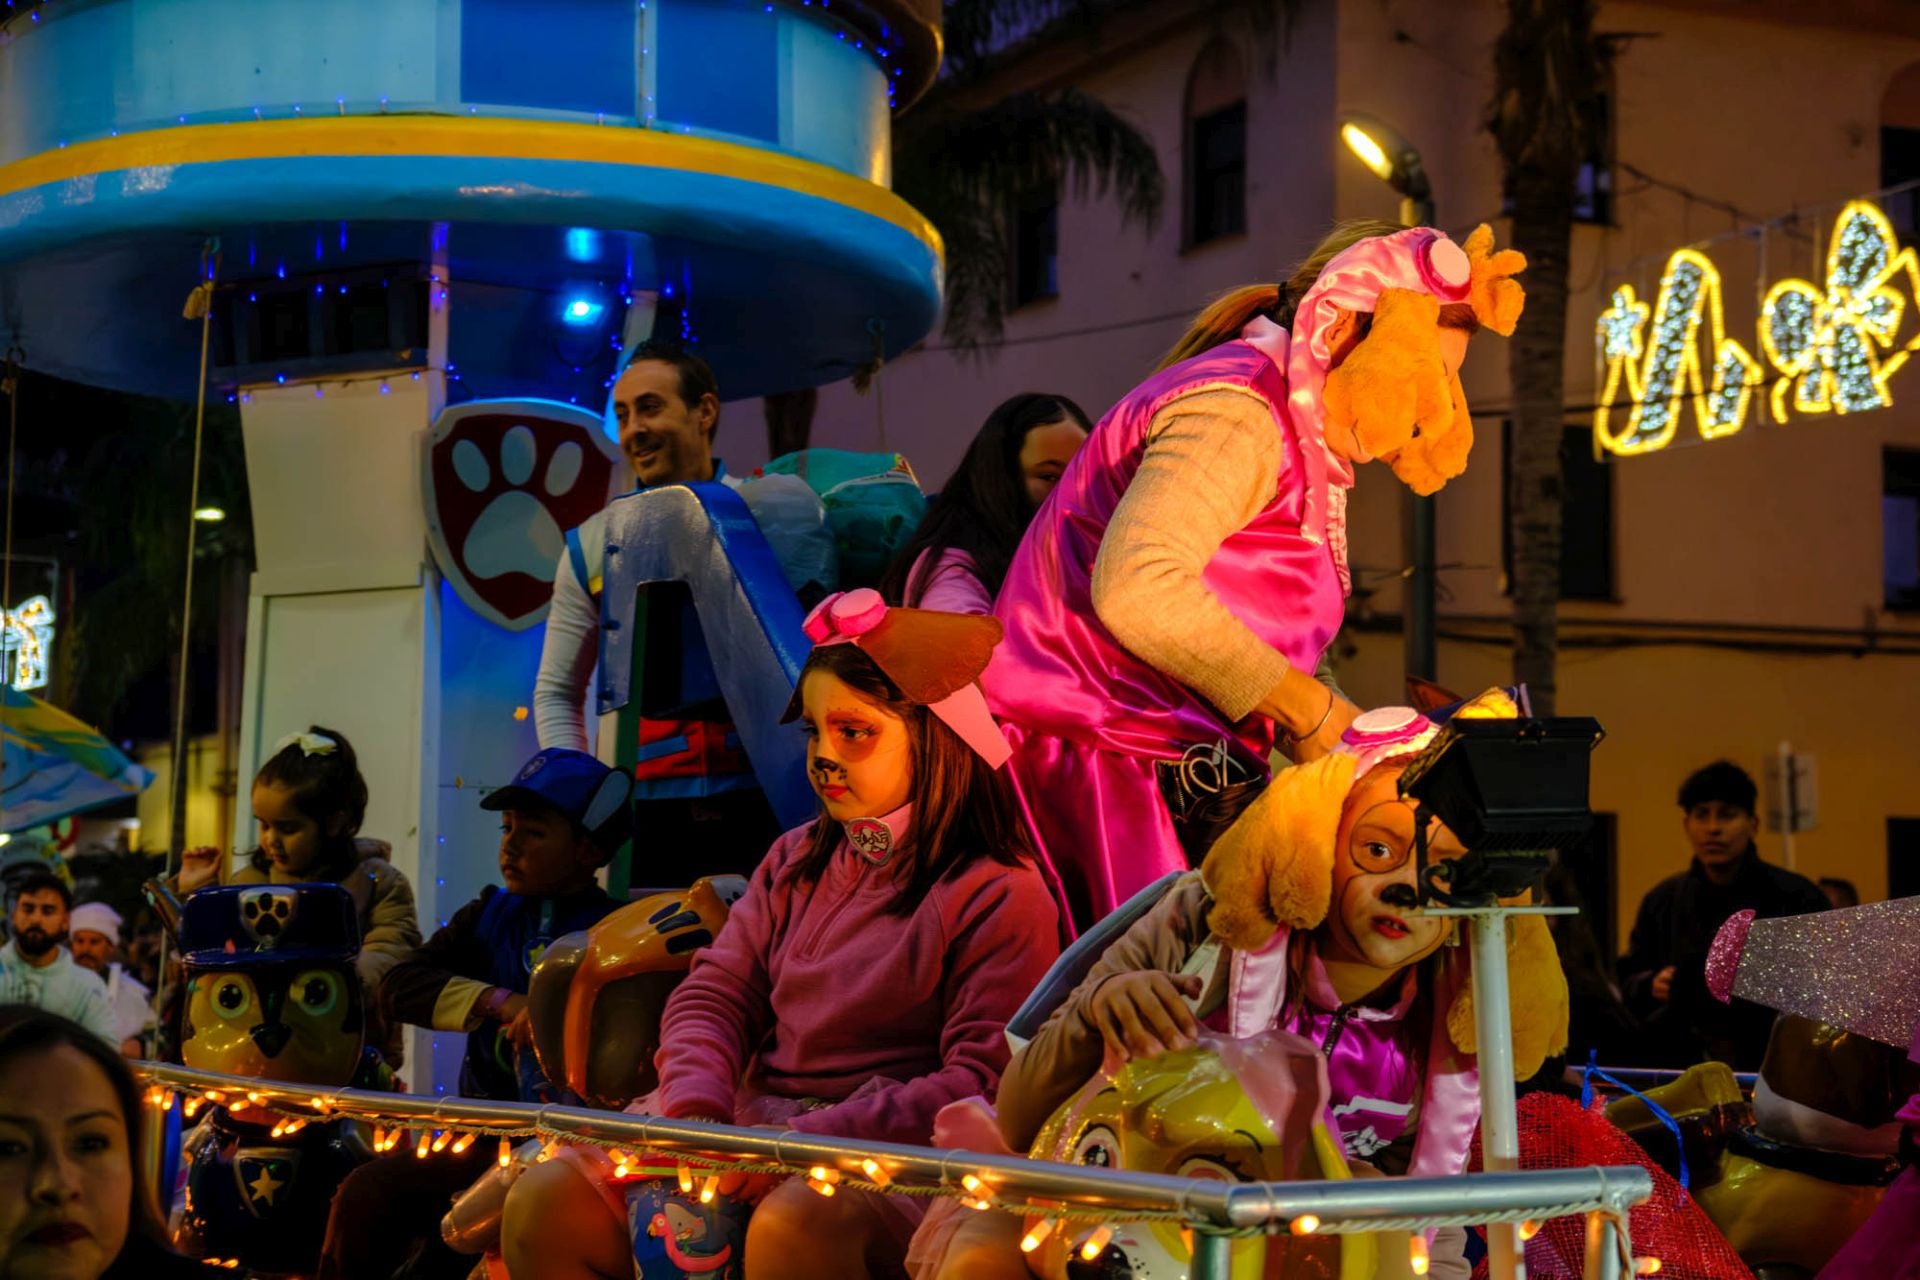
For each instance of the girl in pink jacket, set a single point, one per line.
(866, 978)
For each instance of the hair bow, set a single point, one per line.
(935, 658)
(310, 744)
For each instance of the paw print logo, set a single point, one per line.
(266, 913)
(504, 481)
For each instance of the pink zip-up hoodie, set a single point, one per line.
(866, 1023)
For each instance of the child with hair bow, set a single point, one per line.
(308, 801)
(863, 982)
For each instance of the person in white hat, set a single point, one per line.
(94, 935)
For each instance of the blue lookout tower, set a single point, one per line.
(426, 213)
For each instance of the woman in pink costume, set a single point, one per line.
(1176, 593)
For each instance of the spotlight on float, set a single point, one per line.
(580, 311)
(1394, 161)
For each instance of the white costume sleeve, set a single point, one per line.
(567, 659)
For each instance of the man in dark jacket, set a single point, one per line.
(561, 819)
(1664, 971)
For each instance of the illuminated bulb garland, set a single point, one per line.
(1038, 1234)
(1417, 1258)
(1304, 1225)
(1096, 1243)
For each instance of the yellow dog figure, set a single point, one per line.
(1235, 1110)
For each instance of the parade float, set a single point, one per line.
(420, 236)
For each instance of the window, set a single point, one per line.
(1216, 146)
(1586, 516)
(367, 317)
(1900, 527)
(1034, 227)
(1593, 184)
(1903, 857)
(1900, 150)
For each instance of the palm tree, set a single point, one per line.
(963, 156)
(1549, 68)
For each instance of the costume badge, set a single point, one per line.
(263, 1174)
(872, 839)
(266, 913)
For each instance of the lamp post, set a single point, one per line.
(1395, 162)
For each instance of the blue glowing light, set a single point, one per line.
(583, 244)
(582, 311)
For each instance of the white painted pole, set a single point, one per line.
(1493, 1033)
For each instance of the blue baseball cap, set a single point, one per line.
(576, 784)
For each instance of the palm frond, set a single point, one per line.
(964, 170)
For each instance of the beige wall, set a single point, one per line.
(209, 811)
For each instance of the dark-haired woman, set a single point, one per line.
(309, 800)
(74, 1204)
(866, 978)
(959, 556)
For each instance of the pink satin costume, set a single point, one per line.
(1087, 718)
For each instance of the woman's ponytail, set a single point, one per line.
(1228, 314)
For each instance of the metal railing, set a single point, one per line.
(1216, 1212)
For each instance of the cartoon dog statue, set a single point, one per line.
(595, 1000)
(272, 994)
(1236, 1110)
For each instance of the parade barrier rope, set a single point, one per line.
(1059, 1194)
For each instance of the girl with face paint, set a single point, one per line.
(866, 978)
(1304, 918)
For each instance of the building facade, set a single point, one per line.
(1724, 596)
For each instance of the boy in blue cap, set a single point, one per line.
(561, 819)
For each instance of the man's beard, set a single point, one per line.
(36, 942)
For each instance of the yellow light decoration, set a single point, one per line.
(215, 1096)
(441, 1139)
(1038, 1235)
(1417, 1257)
(1834, 346)
(686, 1180)
(463, 1142)
(1528, 1230)
(1304, 1225)
(1826, 342)
(426, 1144)
(1646, 1265)
(26, 632)
(192, 1105)
(709, 1189)
(1094, 1245)
(506, 1152)
(820, 1186)
(1658, 376)
(876, 1173)
(975, 1185)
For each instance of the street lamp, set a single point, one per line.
(1395, 162)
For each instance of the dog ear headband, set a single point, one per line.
(935, 658)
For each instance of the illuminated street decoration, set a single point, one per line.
(1826, 343)
(1660, 375)
(1832, 348)
(26, 640)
